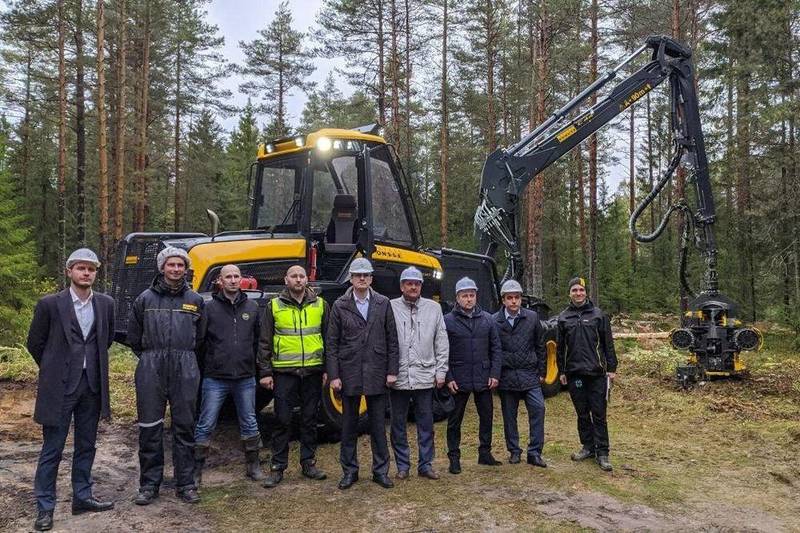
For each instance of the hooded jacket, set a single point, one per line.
(165, 320)
(475, 350)
(229, 337)
(266, 350)
(585, 344)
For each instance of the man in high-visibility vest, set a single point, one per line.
(291, 361)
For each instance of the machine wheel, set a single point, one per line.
(330, 415)
(551, 385)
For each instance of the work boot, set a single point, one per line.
(251, 446)
(514, 458)
(188, 495)
(44, 521)
(488, 460)
(274, 477)
(311, 471)
(455, 464)
(146, 496)
(583, 453)
(605, 465)
(200, 454)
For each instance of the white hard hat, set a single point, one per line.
(510, 286)
(83, 255)
(465, 284)
(411, 274)
(360, 265)
(171, 251)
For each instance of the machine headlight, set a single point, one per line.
(681, 338)
(299, 141)
(270, 148)
(324, 144)
(438, 275)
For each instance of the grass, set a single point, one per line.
(721, 454)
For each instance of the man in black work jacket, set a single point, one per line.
(228, 344)
(587, 363)
(163, 332)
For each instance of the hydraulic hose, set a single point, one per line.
(650, 237)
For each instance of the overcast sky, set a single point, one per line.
(240, 20)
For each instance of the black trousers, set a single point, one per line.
(294, 391)
(84, 406)
(485, 407)
(588, 395)
(348, 452)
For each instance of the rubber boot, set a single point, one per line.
(200, 454)
(251, 446)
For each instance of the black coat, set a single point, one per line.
(362, 352)
(229, 337)
(523, 350)
(585, 344)
(475, 351)
(50, 344)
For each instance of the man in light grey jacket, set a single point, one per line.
(424, 351)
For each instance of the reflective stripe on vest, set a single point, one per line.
(297, 341)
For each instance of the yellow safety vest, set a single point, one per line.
(297, 341)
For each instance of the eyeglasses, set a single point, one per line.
(361, 275)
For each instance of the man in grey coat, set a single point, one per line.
(362, 359)
(423, 364)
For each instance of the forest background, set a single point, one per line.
(110, 122)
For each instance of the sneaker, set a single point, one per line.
(605, 465)
(273, 478)
(580, 455)
(146, 496)
(189, 495)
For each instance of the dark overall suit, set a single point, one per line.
(67, 390)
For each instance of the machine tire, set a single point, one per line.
(330, 416)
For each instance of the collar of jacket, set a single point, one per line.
(309, 297)
(220, 296)
(476, 311)
(583, 307)
(161, 286)
(500, 315)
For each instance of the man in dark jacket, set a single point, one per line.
(587, 363)
(69, 339)
(362, 359)
(291, 361)
(522, 338)
(474, 367)
(229, 340)
(163, 332)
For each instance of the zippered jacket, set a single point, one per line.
(229, 337)
(585, 344)
(424, 347)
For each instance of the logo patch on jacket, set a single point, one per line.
(189, 307)
(245, 316)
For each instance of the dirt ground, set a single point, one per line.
(718, 458)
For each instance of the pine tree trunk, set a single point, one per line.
(26, 127)
(281, 118)
(381, 67)
(680, 173)
(102, 142)
(177, 142)
(394, 74)
(80, 127)
(444, 133)
(593, 284)
(119, 143)
(491, 118)
(407, 83)
(144, 97)
(62, 142)
(650, 163)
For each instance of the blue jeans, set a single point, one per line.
(534, 403)
(214, 393)
(423, 415)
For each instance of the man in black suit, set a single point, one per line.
(69, 339)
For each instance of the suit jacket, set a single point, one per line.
(51, 344)
(362, 352)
